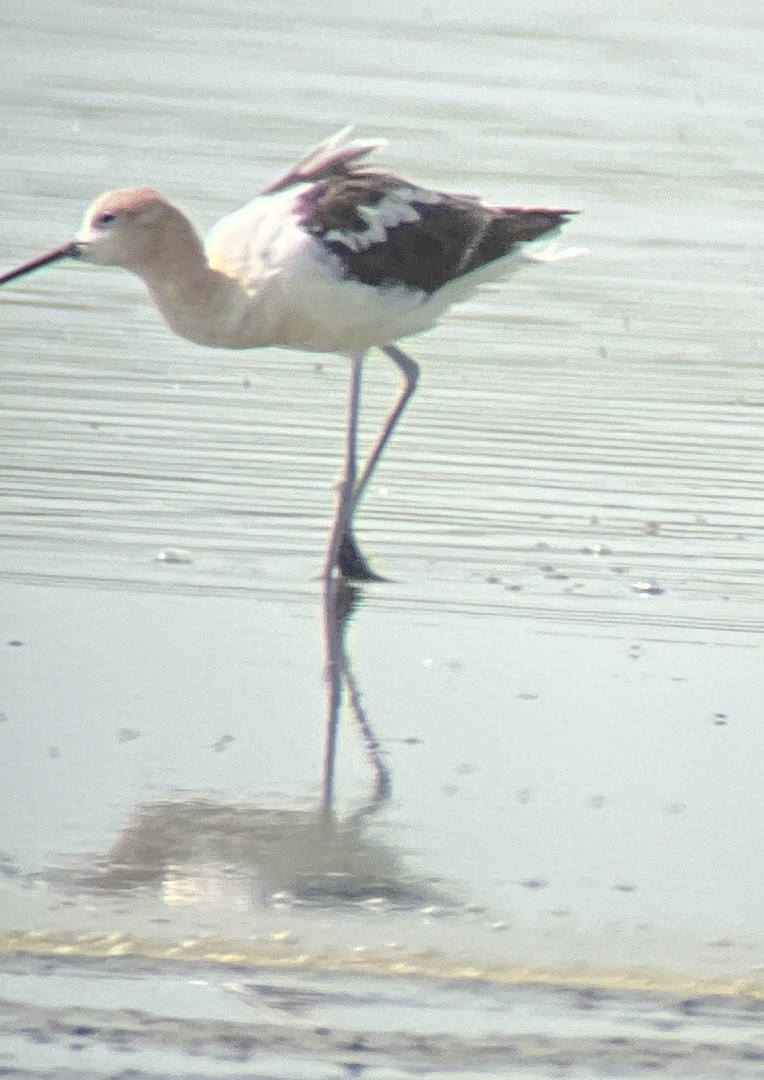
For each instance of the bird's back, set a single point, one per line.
(348, 253)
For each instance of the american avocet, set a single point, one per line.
(333, 257)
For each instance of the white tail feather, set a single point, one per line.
(552, 253)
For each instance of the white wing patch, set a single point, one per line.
(395, 209)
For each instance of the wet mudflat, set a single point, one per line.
(546, 783)
(310, 1026)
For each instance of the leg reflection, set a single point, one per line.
(340, 598)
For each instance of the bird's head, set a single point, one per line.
(131, 229)
(124, 228)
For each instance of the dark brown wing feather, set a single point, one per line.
(323, 161)
(451, 235)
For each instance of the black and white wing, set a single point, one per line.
(387, 231)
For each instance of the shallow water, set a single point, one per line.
(564, 673)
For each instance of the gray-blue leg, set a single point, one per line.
(350, 561)
(348, 482)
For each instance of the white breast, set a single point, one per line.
(299, 295)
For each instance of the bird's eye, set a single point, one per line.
(103, 220)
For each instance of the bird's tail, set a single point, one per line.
(552, 252)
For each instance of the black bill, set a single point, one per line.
(66, 251)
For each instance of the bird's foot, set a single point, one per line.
(352, 564)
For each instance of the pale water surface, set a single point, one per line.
(565, 672)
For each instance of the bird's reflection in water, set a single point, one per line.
(198, 849)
